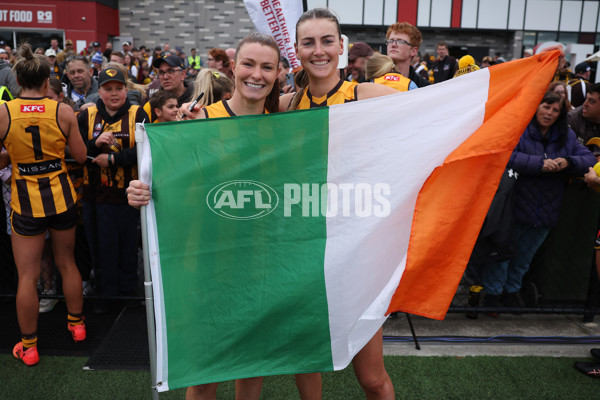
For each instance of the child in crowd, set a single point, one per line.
(111, 225)
(164, 105)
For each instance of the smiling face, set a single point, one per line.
(113, 94)
(318, 48)
(255, 70)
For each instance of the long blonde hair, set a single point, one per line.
(214, 84)
(379, 65)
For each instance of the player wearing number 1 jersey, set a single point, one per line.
(35, 131)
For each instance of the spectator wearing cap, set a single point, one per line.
(126, 46)
(445, 66)
(108, 129)
(580, 85)
(97, 48)
(62, 56)
(358, 55)
(403, 41)
(55, 71)
(171, 75)
(7, 78)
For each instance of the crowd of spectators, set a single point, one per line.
(557, 144)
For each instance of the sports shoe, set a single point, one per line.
(591, 369)
(78, 332)
(29, 356)
(47, 305)
(595, 353)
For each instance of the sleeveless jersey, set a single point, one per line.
(220, 109)
(394, 80)
(36, 145)
(343, 92)
(110, 183)
(149, 110)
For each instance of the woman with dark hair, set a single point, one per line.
(548, 154)
(35, 131)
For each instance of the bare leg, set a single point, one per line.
(309, 386)
(248, 389)
(28, 256)
(47, 269)
(63, 245)
(370, 370)
(202, 392)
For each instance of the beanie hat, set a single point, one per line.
(97, 58)
(466, 64)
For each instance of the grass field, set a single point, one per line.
(414, 378)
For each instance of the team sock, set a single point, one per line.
(29, 341)
(74, 319)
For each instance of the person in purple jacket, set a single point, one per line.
(548, 154)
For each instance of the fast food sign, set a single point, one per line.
(27, 16)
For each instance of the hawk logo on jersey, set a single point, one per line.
(111, 72)
(33, 108)
(392, 78)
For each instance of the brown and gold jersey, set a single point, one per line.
(36, 145)
(394, 80)
(111, 182)
(220, 109)
(343, 92)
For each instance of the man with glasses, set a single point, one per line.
(171, 74)
(81, 85)
(403, 41)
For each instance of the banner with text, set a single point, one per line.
(277, 18)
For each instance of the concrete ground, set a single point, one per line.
(528, 325)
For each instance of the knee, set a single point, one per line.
(378, 385)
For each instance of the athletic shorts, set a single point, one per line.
(32, 226)
(597, 245)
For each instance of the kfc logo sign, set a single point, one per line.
(44, 17)
(392, 78)
(33, 108)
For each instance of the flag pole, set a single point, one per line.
(140, 136)
(304, 5)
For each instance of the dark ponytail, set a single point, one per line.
(32, 70)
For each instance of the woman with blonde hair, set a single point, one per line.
(382, 69)
(215, 85)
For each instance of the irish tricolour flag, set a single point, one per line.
(278, 243)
